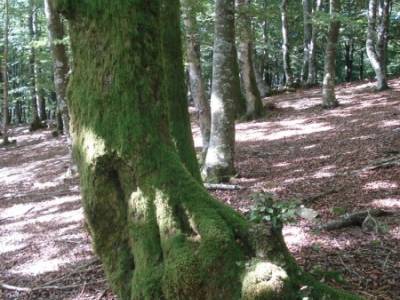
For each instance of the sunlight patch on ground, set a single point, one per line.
(301, 103)
(39, 266)
(327, 171)
(387, 203)
(390, 123)
(381, 185)
(287, 129)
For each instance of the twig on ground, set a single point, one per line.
(222, 186)
(312, 199)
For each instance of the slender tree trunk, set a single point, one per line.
(307, 38)
(197, 86)
(175, 88)
(254, 107)
(372, 51)
(5, 74)
(219, 163)
(349, 58)
(42, 106)
(312, 67)
(328, 89)
(383, 33)
(361, 66)
(285, 44)
(158, 232)
(60, 63)
(36, 123)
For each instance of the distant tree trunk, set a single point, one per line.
(197, 86)
(312, 66)
(60, 63)
(175, 89)
(254, 107)
(42, 106)
(157, 231)
(219, 163)
(349, 58)
(5, 74)
(307, 38)
(372, 49)
(36, 123)
(18, 112)
(328, 89)
(285, 44)
(361, 66)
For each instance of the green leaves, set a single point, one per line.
(268, 208)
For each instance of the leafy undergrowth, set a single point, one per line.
(300, 151)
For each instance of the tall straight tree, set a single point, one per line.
(158, 232)
(285, 43)
(33, 67)
(219, 162)
(328, 88)
(307, 37)
(5, 73)
(376, 42)
(60, 62)
(197, 86)
(312, 64)
(254, 107)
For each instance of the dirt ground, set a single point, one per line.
(326, 158)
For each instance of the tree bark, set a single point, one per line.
(328, 89)
(254, 107)
(349, 59)
(33, 68)
(175, 88)
(5, 74)
(197, 86)
(60, 63)
(219, 162)
(371, 47)
(312, 66)
(285, 44)
(383, 33)
(159, 234)
(307, 38)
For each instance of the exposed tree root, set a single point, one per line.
(221, 186)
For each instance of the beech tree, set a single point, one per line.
(312, 48)
(376, 42)
(158, 232)
(225, 96)
(307, 36)
(328, 88)
(254, 107)
(60, 63)
(285, 44)
(197, 86)
(5, 75)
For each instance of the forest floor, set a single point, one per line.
(329, 159)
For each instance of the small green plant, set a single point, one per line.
(268, 208)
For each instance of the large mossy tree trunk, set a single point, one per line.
(60, 63)
(254, 107)
(328, 88)
(225, 96)
(175, 88)
(158, 232)
(285, 44)
(197, 85)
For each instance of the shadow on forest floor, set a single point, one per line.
(299, 151)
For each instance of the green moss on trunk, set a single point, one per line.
(158, 232)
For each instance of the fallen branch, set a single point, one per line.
(354, 219)
(221, 186)
(381, 163)
(47, 287)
